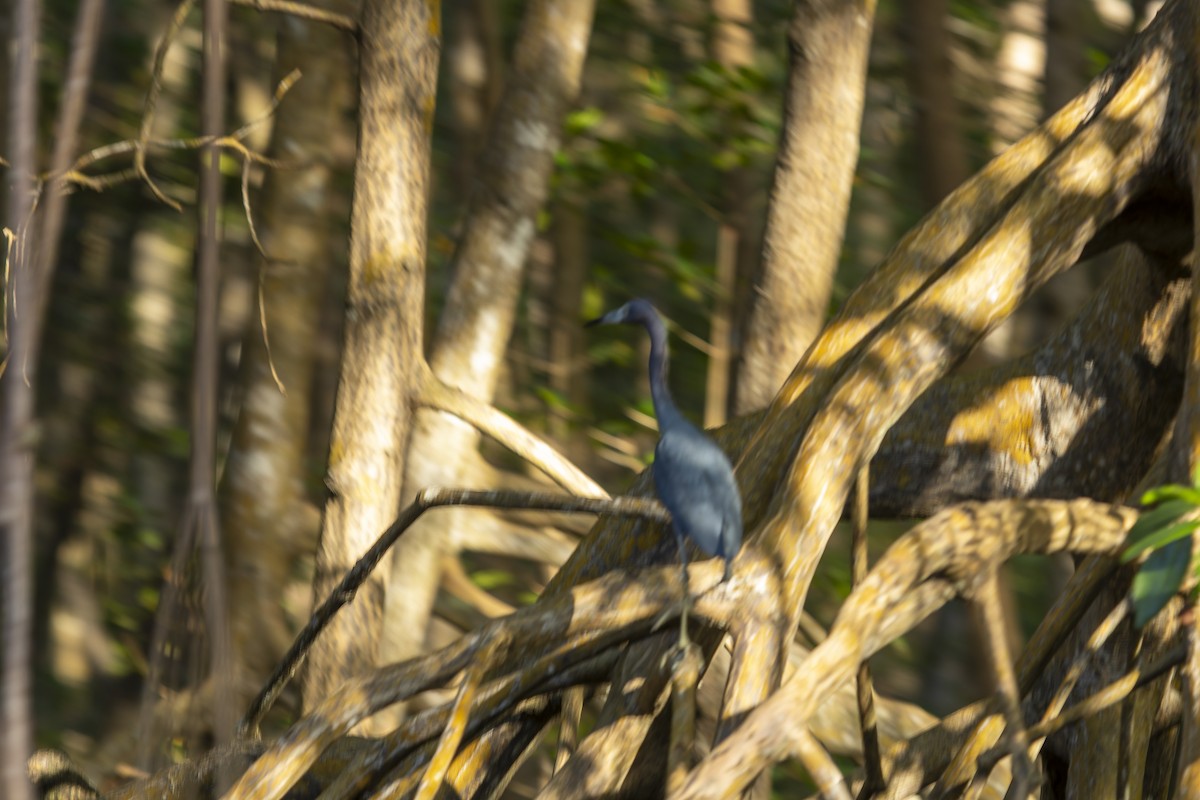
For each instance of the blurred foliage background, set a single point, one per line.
(661, 133)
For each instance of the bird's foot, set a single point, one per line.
(683, 608)
(684, 641)
(685, 664)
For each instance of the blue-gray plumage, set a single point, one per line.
(692, 476)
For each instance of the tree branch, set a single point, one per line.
(344, 592)
(958, 546)
(508, 432)
(304, 11)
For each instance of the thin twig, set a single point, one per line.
(262, 274)
(1099, 700)
(874, 779)
(831, 783)
(139, 148)
(1015, 735)
(456, 725)
(152, 94)
(568, 727)
(1083, 658)
(10, 239)
(84, 41)
(1082, 588)
(303, 11)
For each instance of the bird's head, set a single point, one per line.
(635, 312)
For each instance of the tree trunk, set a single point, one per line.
(17, 435)
(1109, 168)
(488, 267)
(940, 152)
(382, 359)
(810, 194)
(474, 78)
(567, 350)
(733, 49)
(264, 498)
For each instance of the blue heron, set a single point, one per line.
(692, 476)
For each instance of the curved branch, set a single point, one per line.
(958, 545)
(569, 629)
(1103, 390)
(508, 432)
(344, 592)
(919, 761)
(500, 696)
(151, 104)
(1086, 183)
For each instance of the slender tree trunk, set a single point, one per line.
(264, 499)
(52, 219)
(474, 78)
(385, 308)
(17, 435)
(197, 571)
(873, 224)
(567, 349)
(477, 321)
(733, 48)
(940, 151)
(201, 502)
(1019, 65)
(1066, 54)
(814, 170)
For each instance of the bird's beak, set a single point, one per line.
(611, 318)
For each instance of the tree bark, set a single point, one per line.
(264, 497)
(940, 151)
(828, 41)
(733, 49)
(17, 434)
(474, 77)
(1066, 53)
(1111, 166)
(385, 308)
(488, 267)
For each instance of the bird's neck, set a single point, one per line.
(664, 407)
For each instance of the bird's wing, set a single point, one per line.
(695, 482)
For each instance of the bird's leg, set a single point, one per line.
(687, 595)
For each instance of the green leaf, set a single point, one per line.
(1150, 523)
(583, 120)
(727, 159)
(1172, 491)
(1158, 579)
(147, 597)
(492, 578)
(1161, 537)
(553, 400)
